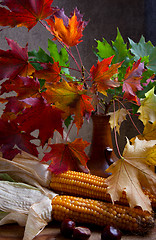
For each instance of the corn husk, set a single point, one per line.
(27, 168)
(25, 197)
(27, 205)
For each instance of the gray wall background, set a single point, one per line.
(132, 17)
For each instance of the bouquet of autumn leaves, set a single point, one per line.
(49, 97)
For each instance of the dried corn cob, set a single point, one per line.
(87, 185)
(101, 213)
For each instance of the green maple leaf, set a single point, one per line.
(61, 57)
(146, 51)
(118, 49)
(40, 56)
(121, 51)
(105, 50)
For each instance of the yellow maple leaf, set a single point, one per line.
(148, 134)
(117, 118)
(131, 173)
(147, 109)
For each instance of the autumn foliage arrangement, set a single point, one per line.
(48, 97)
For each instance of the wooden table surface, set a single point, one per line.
(52, 232)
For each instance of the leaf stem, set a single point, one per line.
(129, 116)
(116, 141)
(63, 45)
(69, 131)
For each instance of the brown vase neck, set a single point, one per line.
(101, 150)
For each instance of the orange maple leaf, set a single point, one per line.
(68, 33)
(70, 98)
(102, 74)
(64, 156)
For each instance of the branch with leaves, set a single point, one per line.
(48, 96)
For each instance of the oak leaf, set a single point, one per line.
(147, 109)
(14, 62)
(131, 82)
(67, 30)
(24, 12)
(63, 156)
(116, 118)
(132, 172)
(103, 73)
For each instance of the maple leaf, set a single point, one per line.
(12, 140)
(12, 109)
(67, 30)
(14, 62)
(147, 109)
(23, 86)
(50, 72)
(131, 82)
(116, 118)
(24, 12)
(132, 173)
(102, 74)
(70, 98)
(64, 156)
(149, 132)
(41, 116)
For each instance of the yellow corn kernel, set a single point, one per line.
(101, 213)
(87, 185)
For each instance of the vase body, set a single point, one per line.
(101, 153)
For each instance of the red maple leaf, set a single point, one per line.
(42, 116)
(14, 62)
(64, 156)
(12, 140)
(131, 82)
(67, 30)
(103, 73)
(12, 109)
(50, 72)
(24, 87)
(24, 12)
